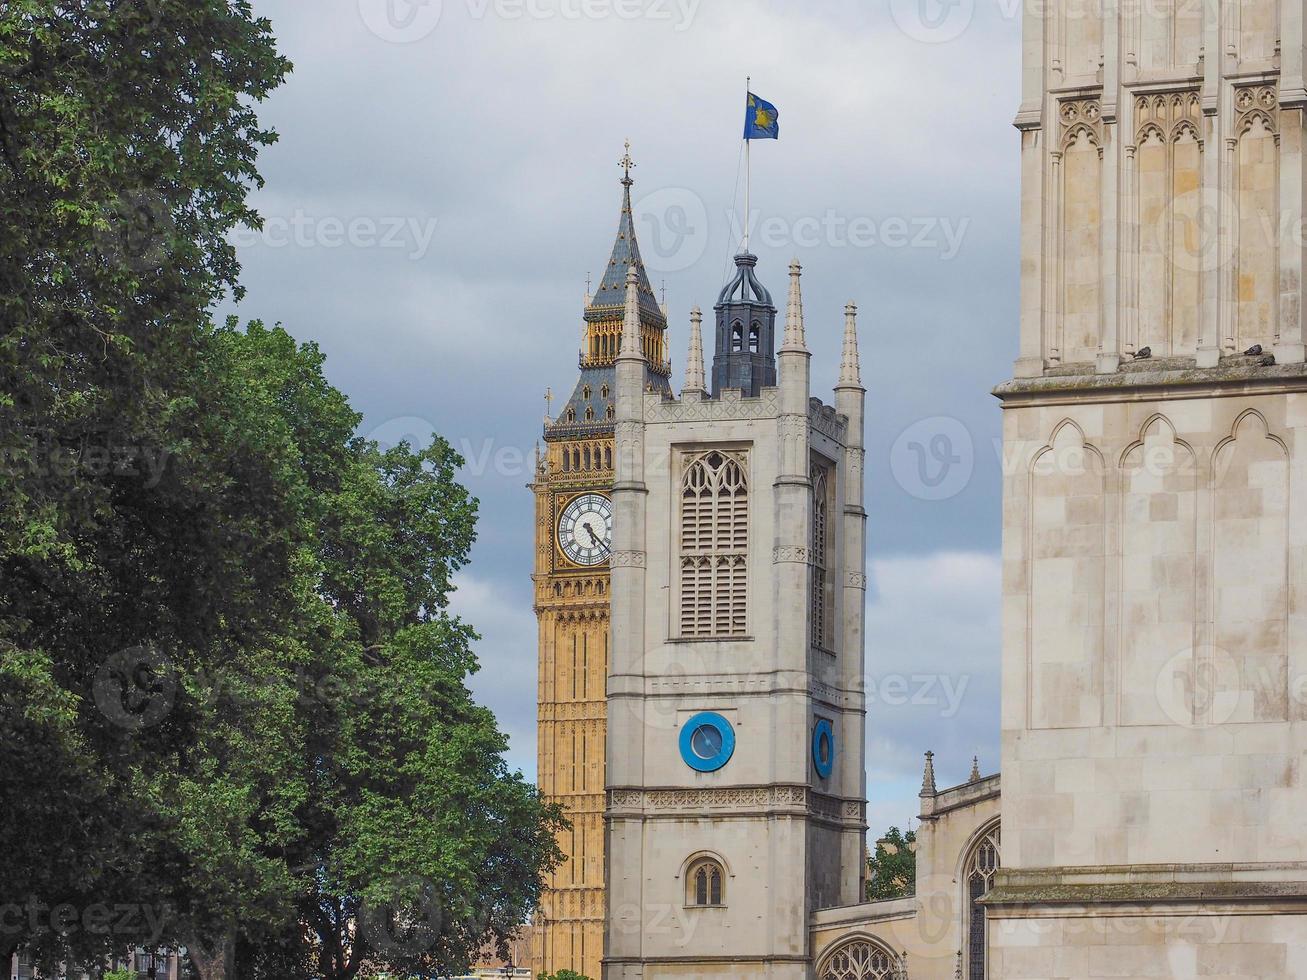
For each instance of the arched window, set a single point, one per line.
(755, 331)
(705, 884)
(862, 959)
(737, 336)
(586, 455)
(714, 545)
(977, 879)
(820, 612)
(608, 452)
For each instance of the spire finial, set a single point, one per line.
(694, 376)
(549, 405)
(794, 339)
(975, 769)
(631, 318)
(626, 163)
(928, 777)
(850, 367)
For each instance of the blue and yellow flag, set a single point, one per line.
(761, 120)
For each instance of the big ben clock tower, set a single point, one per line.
(573, 480)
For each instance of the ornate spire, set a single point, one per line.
(627, 164)
(794, 339)
(975, 769)
(626, 253)
(850, 367)
(928, 777)
(694, 378)
(631, 319)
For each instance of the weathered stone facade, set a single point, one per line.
(1154, 518)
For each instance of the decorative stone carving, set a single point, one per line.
(729, 406)
(1256, 102)
(1081, 117)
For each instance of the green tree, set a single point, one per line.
(893, 866)
(127, 141)
(196, 551)
(419, 845)
(562, 975)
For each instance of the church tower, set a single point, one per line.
(1155, 500)
(573, 483)
(736, 790)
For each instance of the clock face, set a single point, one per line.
(585, 531)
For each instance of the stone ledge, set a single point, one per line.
(1136, 379)
(1133, 884)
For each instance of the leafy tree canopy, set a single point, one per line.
(893, 866)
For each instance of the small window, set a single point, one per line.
(603, 391)
(755, 331)
(705, 884)
(737, 336)
(585, 392)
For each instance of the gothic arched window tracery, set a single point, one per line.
(977, 880)
(705, 884)
(862, 959)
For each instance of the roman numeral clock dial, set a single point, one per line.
(585, 531)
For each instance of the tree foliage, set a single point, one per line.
(231, 694)
(893, 866)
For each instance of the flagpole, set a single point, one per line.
(748, 169)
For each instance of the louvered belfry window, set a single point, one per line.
(714, 545)
(820, 612)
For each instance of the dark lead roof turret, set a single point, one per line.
(746, 333)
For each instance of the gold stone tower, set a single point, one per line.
(573, 479)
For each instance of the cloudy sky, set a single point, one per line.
(447, 177)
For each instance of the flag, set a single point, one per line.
(761, 120)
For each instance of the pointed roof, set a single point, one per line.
(611, 294)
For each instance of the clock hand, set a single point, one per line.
(595, 538)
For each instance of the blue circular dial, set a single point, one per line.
(707, 742)
(823, 747)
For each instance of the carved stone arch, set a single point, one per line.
(1250, 593)
(1255, 115)
(1065, 554)
(1070, 428)
(1074, 132)
(1186, 127)
(1149, 129)
(1249, 416)
(1158, 573)
(1154, 420)
(861, 956)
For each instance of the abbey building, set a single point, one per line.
(709, 550)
